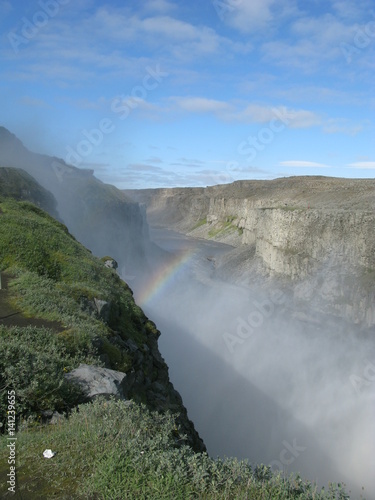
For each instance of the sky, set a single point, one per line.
(162, 93)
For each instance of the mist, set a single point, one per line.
(258, 382)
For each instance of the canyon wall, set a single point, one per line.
(313, 234)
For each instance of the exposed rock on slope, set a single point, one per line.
(315, 232)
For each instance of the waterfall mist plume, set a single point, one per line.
(260, 383)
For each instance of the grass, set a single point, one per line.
(200, 223)
(106, 449)
(223, 227)
(121, 450)
(18, 184)
(56, 279)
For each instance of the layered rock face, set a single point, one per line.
(313, 233)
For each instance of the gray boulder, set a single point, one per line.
(111, 264)
(97, 381)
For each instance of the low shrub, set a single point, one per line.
(120, 450)
(33, 362)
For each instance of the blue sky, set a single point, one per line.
(161, 93)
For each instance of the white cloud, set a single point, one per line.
(85, 103)
(200, 104)
(303, 164)
(240, 112)
(177, 37)
(363, 164)
(294, 118)
(139, 167)
(319, 94)
(325, 30)
(347, 9)
(167, 27)
(245, 15)
(101, 45)
(314, 41)
(154, 159)
(303, 54)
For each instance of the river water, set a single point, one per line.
(258, 384)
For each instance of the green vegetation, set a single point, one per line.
(57, 279)
(120, 450)
(106, 449)
(34, 361)
(18, 184)
(223, 227)
(200, 223)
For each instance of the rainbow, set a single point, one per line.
(165, 276)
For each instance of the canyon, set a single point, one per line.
(311, 235)
(271, 294)
(263, 294)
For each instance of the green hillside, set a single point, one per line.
(54, 278)
(106, 449)
(18, 184)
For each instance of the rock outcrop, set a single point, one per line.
(97, 381)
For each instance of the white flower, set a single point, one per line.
(48, 454)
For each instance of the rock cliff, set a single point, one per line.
(314, 234)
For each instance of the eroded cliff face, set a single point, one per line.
(314, 234)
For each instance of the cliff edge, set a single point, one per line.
(313, 234)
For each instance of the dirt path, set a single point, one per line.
(9, 316)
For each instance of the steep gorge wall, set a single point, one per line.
(315, 234)
(294, 241)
